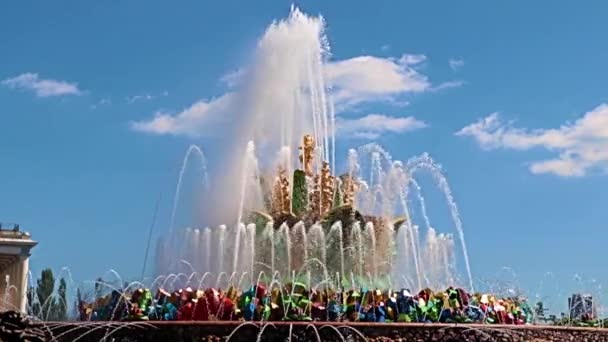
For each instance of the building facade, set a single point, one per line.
(15, 247)
(581, 307)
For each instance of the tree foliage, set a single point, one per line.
(45, 303)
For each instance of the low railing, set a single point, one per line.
(9, 226)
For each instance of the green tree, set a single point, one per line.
(77, 304)
(98, 288)
(47, 305)
(45, 286)
(61, 306)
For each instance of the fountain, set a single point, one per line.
(341, 231)
(295, 218)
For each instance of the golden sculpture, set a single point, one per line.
(308, 152)
(349, 187)
(327, 188)
(322, 196)
(281, 199)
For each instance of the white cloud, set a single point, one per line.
(367, 78)
(448, 85)
(102, 102)
(233, 78)
(580, 146)
(135, 98)
(374, 125)
(197, 120)
(456, 64)
(144, 97)
(42, 87)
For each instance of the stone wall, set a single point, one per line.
(300, 331)
(16, 327)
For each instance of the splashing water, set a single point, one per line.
(426, 162)
(284, 96)
(193, 149)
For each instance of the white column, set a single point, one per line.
(22, 286)
(10, 290)
(5, 301)
(12, 280)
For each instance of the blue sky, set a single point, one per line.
(527, 180)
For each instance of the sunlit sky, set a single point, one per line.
(509, 97)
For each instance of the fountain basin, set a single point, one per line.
(301, 331)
